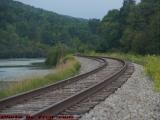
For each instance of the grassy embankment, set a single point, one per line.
(68, 67)
(151, 64)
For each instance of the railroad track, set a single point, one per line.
(74, 96)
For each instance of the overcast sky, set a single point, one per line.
(77, 8)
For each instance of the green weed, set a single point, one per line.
(151, 64)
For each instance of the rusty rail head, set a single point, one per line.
(19, 98)
(59, 107)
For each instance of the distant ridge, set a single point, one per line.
(26, 31)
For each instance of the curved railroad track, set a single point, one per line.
(74, 96)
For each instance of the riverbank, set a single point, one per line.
(67, 68)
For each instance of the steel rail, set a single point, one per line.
(58, 107)
(20, 98)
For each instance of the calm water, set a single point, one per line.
(19, 69)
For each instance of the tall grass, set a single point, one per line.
(151, 64)
(152, 67)
(68, 67)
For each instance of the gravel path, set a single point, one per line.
(136, 100)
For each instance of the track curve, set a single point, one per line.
(56, 98)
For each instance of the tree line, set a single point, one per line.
(134, 28)
(26, 31)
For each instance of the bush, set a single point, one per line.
(55, 54)
(152, 67)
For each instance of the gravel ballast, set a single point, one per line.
(135, 100)
(87, 64)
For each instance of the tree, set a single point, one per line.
(128, 2)
(135, 28)
(27, 28)
(93, 25)
(110, 30)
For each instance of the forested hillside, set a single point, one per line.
(26, 31)
(134, 28)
